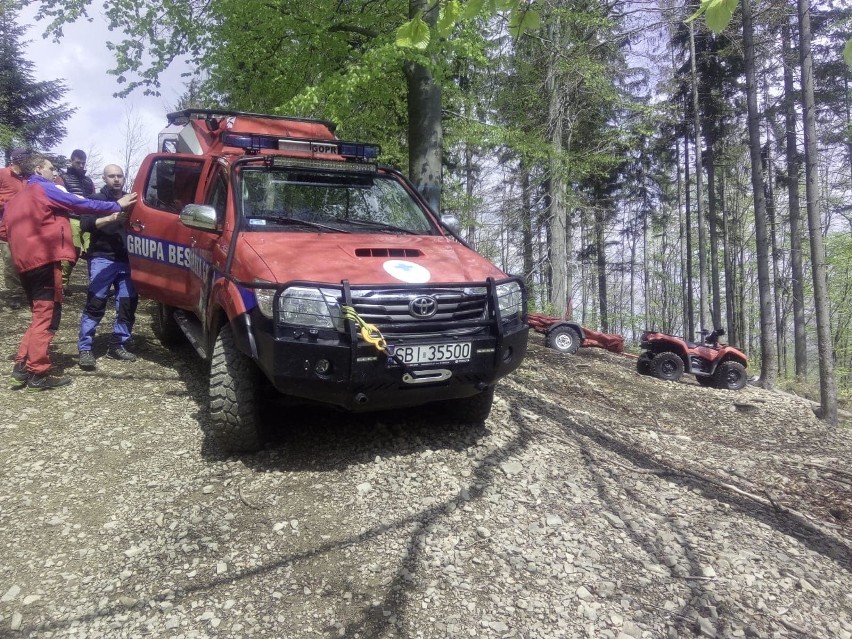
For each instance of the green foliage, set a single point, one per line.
(31, 112)
(415, 34)
(718, 13)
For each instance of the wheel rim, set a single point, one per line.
(563, 341)
(733, 377)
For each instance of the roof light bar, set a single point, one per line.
(283, 162)
(348, 150)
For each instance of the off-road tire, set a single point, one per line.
(234, 398)
(165, 325)
(708, 381)
(730, 376)
(468, 410)
(667, 366)
(643, 364)
(563, 339)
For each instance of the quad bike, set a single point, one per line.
(668, 357)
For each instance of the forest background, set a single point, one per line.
(641, 170)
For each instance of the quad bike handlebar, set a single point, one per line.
(711, 338)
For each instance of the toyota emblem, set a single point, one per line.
(423, 307)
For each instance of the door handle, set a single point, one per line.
(137, 226)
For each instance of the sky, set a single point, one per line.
(81, 60)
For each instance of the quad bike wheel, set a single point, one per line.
(667, 366)
(564, 339)
(730, 376)
(643, 364)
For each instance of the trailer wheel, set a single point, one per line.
(165, 325)
(563, 339)
(667, 366)
(234, 399)
(731, 376)
(469, 410)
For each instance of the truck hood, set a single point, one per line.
(361, 258)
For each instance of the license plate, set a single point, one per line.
(434, 353)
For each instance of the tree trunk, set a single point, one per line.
(703, 296)
(799, 335)
(828, 390)
(600, 246)
(713, 220)
(526, 229)
(690, 311)
(768, 365)
(558, 213)
(425, 131)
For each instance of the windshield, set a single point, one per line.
(299, 200)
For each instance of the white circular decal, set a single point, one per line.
(407, 271)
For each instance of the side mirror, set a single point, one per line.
(451, 222)
(199, 216)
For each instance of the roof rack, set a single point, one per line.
(184, 116)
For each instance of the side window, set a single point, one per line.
(172, 183)
(217, 196)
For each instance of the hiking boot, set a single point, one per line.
(119, 352)
(19, 375)
(46, 381)
(87, 360)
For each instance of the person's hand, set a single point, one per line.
(126, 201)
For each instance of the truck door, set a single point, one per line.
(206, 252)
(157, 242)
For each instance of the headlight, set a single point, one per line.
(311, 307)
(264, 298)
(510, 300)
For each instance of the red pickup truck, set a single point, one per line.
(295, 264)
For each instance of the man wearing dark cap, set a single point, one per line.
(11, 181)
(77, 182)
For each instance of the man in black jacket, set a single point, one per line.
(109, 265)
(77, 182)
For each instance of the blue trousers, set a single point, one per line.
(103, 275)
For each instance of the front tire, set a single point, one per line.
(643, 364)
(667, 366)
(564, 339)
(731, 376)
(234, 398)
(469, 410)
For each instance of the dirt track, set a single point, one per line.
(593, 503)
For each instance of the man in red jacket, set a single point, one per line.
(36, 224)
(11, 183)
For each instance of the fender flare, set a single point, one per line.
(227, 303)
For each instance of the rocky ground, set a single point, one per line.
(592, 503)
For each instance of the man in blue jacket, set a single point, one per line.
(109, 265)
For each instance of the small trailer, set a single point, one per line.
(567, 336)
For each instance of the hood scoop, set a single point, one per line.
(388, 252)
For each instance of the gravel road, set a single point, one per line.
(592, 503)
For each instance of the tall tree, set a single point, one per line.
(31, 112)
(792, 182)
(828, 390)
(768, 368)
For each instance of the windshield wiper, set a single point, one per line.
(294, 221)
(383, 226)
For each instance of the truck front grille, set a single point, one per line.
(456, 311)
